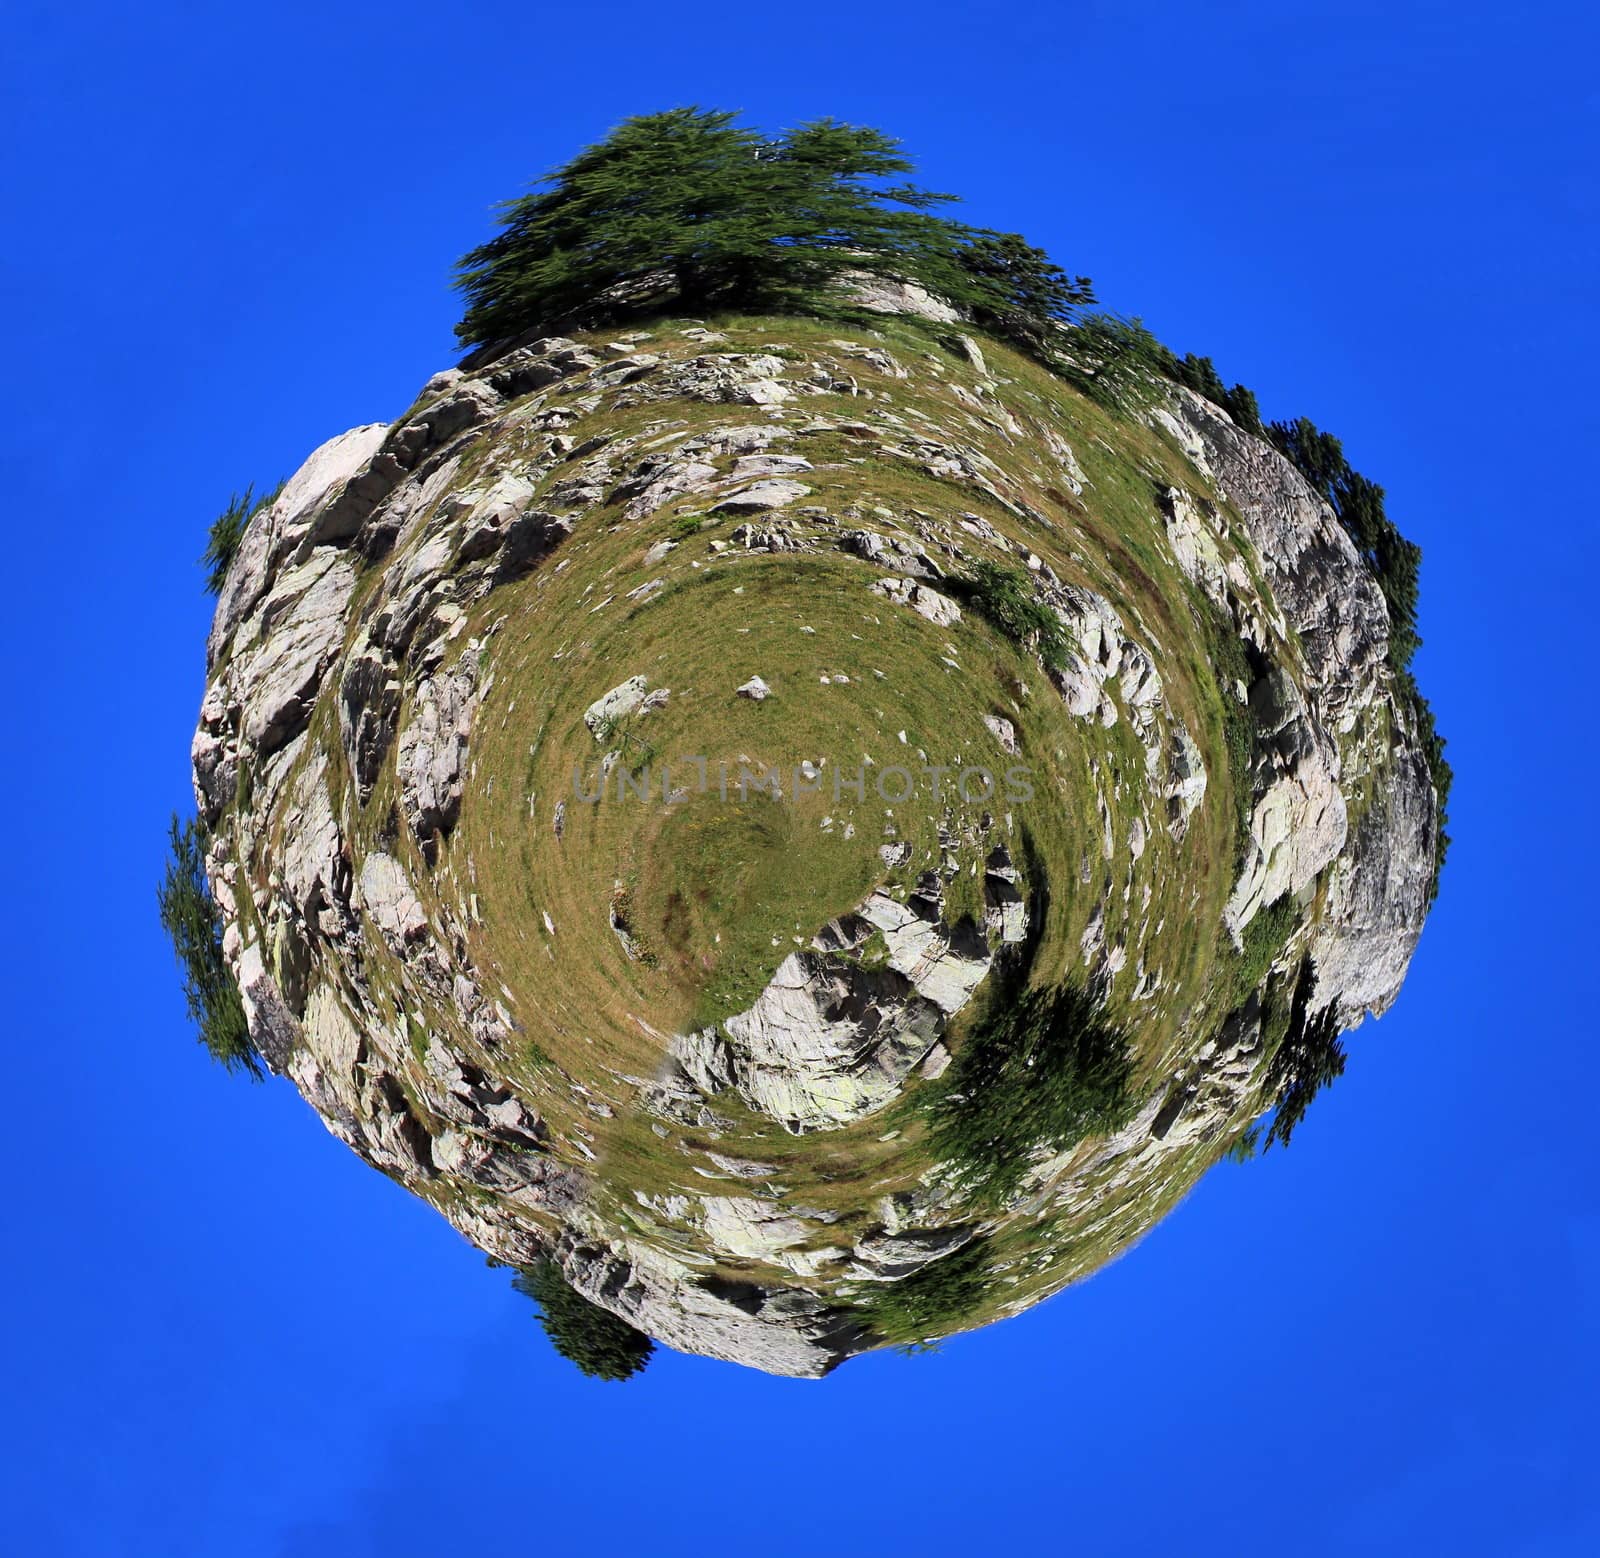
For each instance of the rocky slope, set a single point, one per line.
(674, 1038)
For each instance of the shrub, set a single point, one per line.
(1238, 734)
(933, 1299)
(189, 915)
(1264, 938)
(601, 1344)
(227, 531)
(686, 526)
(1004, 598)
(1045, 1068)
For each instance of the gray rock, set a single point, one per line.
(315, 871)
(826, 1043)
(938, 609)
(1297, 821)
(660, 479)
(387, 896)
(326, 471)
(970, 350)
(889, 1257)
(747, 466)
(1003, 731)
(624, 699)
(1186, 780)
(764, 495)
(886, 295)
(1328, 597)
(283, 652)
(369, 708)
(829, 1041)
(433, 749)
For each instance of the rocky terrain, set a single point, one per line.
(679, 1038)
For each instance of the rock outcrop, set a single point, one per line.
(505, 992)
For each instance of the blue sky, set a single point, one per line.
(229, 233)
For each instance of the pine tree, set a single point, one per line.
(227, 531)
(189, 915)
(1115, 361)
(601, 1344)
(1015, 289)
(1241, 404)
(1318, 456)
(728, 217)
(1309, 1059)
(689, 206)
(1042, 1068)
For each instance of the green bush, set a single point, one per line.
(1004, 598)
(190, 916)
(1264, 938)
(601, 1344)
(1042, 1068)
(934, 1299)
(227, 531)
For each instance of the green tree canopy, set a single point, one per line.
(688, 202)
(1044, 1068)
(1395, 562)
(1309, 1059)
(601, 1344)
(1004, 597)
(1012, 288)
(935, 1298)
(189, 915)
(227, 531)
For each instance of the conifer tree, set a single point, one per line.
(601, 1344)
(689, 206)
(189, 915)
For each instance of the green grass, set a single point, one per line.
(725, 907)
